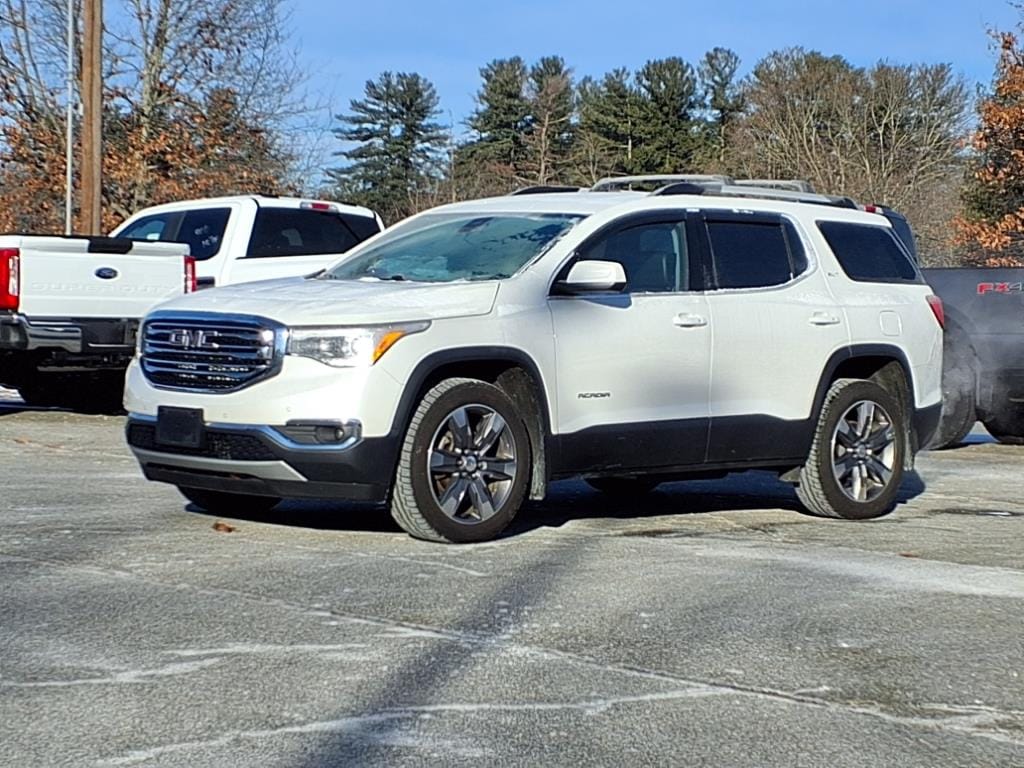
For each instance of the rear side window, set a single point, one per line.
(754, 254)
(868, 253)
(298, 232)
(201, 229)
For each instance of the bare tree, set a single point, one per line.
(889, 134)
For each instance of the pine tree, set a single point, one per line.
(399, 155)
(496, 155)
(722, 97)
(609, 125)
(668, 126)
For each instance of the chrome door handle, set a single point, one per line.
(690, 321)
(824, 318)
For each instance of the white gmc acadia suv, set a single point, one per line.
(467, 357)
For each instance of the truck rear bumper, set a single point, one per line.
(19, 333)
(257, 460)
(93, 336)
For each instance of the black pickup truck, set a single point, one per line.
(983, 359)
(983, 367)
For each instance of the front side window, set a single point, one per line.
(201, 229)
(869, 253)
(445, 247)
(754, 254)
(652, 255)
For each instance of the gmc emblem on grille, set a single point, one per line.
(191, 339)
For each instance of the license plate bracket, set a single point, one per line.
(179, 427)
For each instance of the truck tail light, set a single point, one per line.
(10, 277)
(190, 274)
(938, 310)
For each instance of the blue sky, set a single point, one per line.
(343, 44)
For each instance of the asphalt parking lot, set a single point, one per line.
(709, 625)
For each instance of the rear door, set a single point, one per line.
(774, 325)
(287, 242)
(633, 367)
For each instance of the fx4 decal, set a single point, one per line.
(984, 288)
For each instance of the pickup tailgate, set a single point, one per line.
(96, 277)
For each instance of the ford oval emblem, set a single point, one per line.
(106, 273)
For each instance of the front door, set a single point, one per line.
(633, 366)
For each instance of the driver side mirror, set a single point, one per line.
(592, 277)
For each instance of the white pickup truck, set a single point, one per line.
(70, 307)
(248, 238)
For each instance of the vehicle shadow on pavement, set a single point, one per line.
(568, 501)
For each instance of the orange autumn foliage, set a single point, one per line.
(992, 228)
(196, 150)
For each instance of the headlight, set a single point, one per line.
(349, 347)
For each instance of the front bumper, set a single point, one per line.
(260, 460)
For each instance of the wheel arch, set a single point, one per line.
(509, 368)
(885, 364)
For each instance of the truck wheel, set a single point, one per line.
(465, 464)
(101, 392)
(958, 418)
(221, 502)
(622, 487)
(43, 392)
(1007, 426)
(855, 466)
(959, 364)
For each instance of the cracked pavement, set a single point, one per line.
(709, 624)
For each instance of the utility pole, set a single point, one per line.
(92, 116)
(69, 133)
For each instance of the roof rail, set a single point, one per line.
(544, 189)
(791, 185)
(615, 183)
(755, 193)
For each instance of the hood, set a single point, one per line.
(297, 301)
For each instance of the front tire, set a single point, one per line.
(230, 504)
(855, 466)
(465, 464)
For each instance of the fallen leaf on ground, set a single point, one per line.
(220, 527)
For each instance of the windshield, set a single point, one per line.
(444, 247)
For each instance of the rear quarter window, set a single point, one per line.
(868, 253)
(298, 232)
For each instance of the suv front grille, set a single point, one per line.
(211, 353)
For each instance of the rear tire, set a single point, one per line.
(623, 487)
(855, 466)
(465, 464)
(1007, 426)
(223, 503)
(958, 391)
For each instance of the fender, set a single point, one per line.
(432, 363)
(846, 354)
(920, 423)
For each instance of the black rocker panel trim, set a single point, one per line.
(646, 446)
